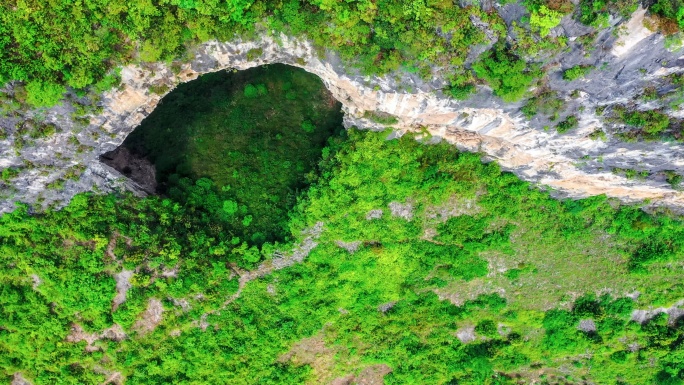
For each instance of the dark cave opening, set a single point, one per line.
(253, 138)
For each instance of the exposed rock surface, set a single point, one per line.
(114, 333)
(36, 281)
(351, 247)
(374, 214)
(18, 379)
(150, 318)
(400, 210)
(587, 325)
(123, 283)
(373, 375)
(466, 334)
(77, 334)
(674, 313)
(573, 164)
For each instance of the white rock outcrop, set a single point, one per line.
(482, 124)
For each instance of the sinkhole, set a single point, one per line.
(243, 146)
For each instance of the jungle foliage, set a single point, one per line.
(442, 267)
(51, 45)
(55, 44)
(433, 226)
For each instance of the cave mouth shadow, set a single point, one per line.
(258, 134)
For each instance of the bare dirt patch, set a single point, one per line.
(123, 283)
(77, 334)
(333, 365)
(373, 375)
(115, 378)
(150, 318)
(312, 351)
(18, 379)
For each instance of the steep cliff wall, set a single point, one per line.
(575, 164)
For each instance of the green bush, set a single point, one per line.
(42, 130)
(381, 117)
(568, 124)
(509, 76)
(150, 51)
(596, 13)
(108, 82)
(544, 20)
(546, 102)
(43, 94)
(251, 91)
(460, 92)
(576, 72)
(230, 207)
(651, 122)
(254, 53)
(261, 89)
(673, 178)
(487, 328)
(9, 173)
(598, 135)
(307, 126)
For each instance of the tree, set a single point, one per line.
(508, 75)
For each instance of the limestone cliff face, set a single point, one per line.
(573, 164)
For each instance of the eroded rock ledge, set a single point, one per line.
(573, 164)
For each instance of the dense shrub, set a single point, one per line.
(544, 20)
(576, 72)
(568, 124)
(382, 118)
(547, 102)
(673, 178)
(41, 94)
(460, 92)
(375, 304)
(509, 76)
(77, 45)
(597, 12)
(651, 122)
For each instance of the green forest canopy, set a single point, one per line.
(413, 256)
(49, 45)
(415, 244)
